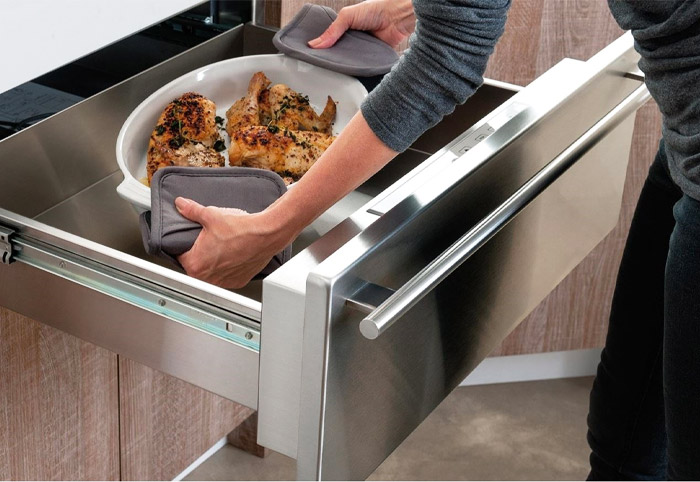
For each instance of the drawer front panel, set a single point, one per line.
(360, 396)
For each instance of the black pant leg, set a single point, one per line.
(626, 417)
(681, 371)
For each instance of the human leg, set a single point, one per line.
(681, 366)
(626, 418)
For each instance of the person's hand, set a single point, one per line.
(233, 246)
(389, 20)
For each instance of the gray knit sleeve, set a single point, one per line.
(442, 68)
(667, 35)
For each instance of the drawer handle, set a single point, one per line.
(397, 303)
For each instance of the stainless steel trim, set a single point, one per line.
(361, 398)
(148, 296)
(502, 85)
(284, 291)
(206, 359)
(139, 268)
(635, 74)
(58, 170)
(400, 302)
(88, 286)
(367, 298)
(259, 13)
(6, 245)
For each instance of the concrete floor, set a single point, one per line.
(512, 431)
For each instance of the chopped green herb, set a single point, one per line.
(176, 142)
(219, 146)
(273, 129)
(219, 120)
(160, 130)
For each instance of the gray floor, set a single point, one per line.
(513, 431)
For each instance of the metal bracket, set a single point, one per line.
(6, 245)
(636, 74)
(368, 298)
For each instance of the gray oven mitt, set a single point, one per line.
(356, 53)
(167, 234)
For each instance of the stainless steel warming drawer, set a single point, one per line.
(392, 297)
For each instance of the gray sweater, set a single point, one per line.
(454, 39)
(442, 68)
(667, 35)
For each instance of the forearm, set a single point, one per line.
(350, 160)
(443, 67)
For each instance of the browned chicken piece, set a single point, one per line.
(245, 112)
(186, 135)
(189, 155)
(264, 107)
(288, 153)
(292, 110)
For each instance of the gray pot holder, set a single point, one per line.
(167, 234)
(356, 53)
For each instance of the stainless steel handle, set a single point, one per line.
(396, 305)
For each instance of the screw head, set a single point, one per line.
(248, 335)
(62, 265)
(161, 302)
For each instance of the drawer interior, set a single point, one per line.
(63, 172)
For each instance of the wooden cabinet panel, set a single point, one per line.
(59, 399)
(166, 424)
(70, 410)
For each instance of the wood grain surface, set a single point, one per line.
(64, 402)
(166, 424)
(245, 436)
(539, 34)
(272, 9)
(59, 405)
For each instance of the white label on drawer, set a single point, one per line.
(473, 137)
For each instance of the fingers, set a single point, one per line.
(228, 277)
(336, 30)
(192, 210)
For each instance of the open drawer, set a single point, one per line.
(392, 297)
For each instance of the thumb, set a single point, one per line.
(192, 210)
(328, 38)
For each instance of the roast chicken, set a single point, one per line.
(271, 128)
(186, 135)
(288, 153)
(291, 110)
(277, 129)
(246, 112)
